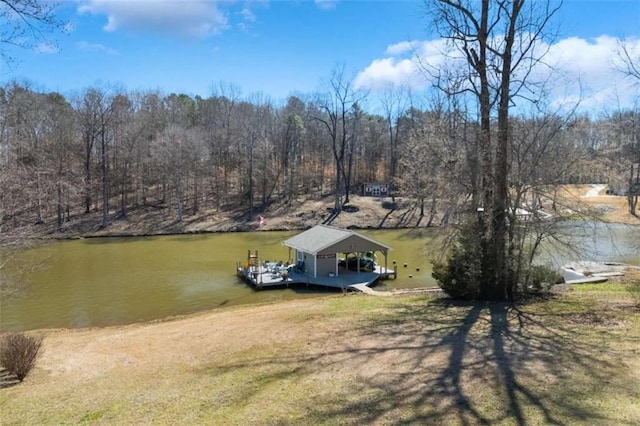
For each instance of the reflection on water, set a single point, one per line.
(109, 281)
(586, 240)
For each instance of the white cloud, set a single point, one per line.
(248, 17)
(590, 72)
(389, 71)
(402, 48)
(326, 4)
(47, 48)
(399, 69)
(592, 60)
(95, 47)
(191, 18)
(573, 69)
(247, 14)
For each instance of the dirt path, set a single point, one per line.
(611, 208)
(594, 191)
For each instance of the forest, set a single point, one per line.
(112, 151)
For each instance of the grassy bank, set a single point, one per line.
(352, 360)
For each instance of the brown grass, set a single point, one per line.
(347, 360)
(611, 208)
(300, 214)
(350, 360)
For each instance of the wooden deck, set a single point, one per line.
(268, 277)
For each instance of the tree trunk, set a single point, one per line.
(87, 174)
(105, 181)
(59, 207)
(634, 186)
(179, 199)
(196, 191)
(486, 184)
(337, 198)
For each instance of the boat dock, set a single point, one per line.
(276, 275)
(323, 256)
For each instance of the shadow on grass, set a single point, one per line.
(447, 363)
(7, 379)
(384, 219)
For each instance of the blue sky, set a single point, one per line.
(279, 48)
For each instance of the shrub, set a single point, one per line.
(19, 353)
(460, 275)
(542, 278)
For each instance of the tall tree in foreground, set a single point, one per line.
(496, 45)
(629, 58)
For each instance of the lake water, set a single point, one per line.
(110, 281)
(594, 241)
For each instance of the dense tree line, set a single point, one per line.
(112, 151)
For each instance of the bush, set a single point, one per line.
(542, 278)
(19, 353)
(460, 275)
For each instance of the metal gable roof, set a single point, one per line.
(322, 237)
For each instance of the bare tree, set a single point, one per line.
(26, 118)
(95, 112)
(433, 167)
(340, 112)
(153, 114)
(496, 41)
(630, 66)
(36, 134)
(227, 128)
(25, 24)
(319, 159)
(395, 102)
(293, 131)
(173, 151)
(130, 126)
(59, 155)
(629, 60)
(372, 157)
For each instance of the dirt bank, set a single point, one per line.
(362, 212)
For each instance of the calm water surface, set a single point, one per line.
(109, 281)
(595, 241)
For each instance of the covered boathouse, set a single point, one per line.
(317, 260)
(317, 249)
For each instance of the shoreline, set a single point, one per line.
(364, 213)
(213, 232)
